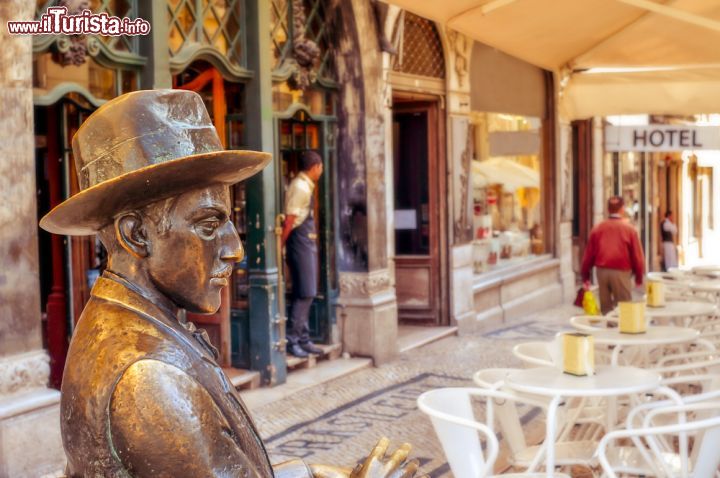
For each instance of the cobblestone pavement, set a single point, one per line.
(340, 421)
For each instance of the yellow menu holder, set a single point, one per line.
(578, 354)
(656, 294)
(632, 318)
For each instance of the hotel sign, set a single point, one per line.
(656, 138)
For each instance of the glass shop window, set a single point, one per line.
(507, 199)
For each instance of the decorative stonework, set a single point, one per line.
(305, 52)
(24, 372)
(463, 220)
(566, 172)
(364, 284)
(459, 47)
(73, 50)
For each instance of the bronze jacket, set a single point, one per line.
(142, 395)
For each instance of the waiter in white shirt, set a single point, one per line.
(299, 236)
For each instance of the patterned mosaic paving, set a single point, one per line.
(340, 421)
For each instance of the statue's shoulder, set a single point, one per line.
(163, 422)
(109, 326)
(109, 337)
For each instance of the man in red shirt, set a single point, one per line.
(614, 250)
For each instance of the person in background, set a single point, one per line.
(614, 249)
(668, 232)
(299, 236)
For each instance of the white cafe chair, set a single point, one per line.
(688, 364)
(492, 378)
(709, 328)
(536, 354)
(461, 435)
(666, 450)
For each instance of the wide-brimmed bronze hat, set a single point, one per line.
(142, 147)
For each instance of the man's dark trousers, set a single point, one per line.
(301, 253)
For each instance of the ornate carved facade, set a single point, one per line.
(23, 372)
(364, 284)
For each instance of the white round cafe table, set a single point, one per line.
(655, 335)
(710, 286)
(706, 270)
(609, 381)
(671, 278)
(677, 309)
(681, 313)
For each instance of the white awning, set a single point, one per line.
(510, 174)
(615, 56)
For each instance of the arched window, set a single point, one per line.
(302, 45)
(421, 51)
(214, 24)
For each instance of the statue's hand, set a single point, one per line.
(397, 466)
(327, 471)
(375, 465)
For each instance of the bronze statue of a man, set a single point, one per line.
(142, 393)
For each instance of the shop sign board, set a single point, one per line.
(656, 138)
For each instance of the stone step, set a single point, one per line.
(243, 379)
(330, 352)
(411, 337)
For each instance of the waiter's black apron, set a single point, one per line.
(301, 254)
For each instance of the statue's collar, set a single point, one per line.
(115, 288)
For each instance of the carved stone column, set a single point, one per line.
(369, 314)
(460, 153)
(368, 318)
(30, 443)
(564, 197)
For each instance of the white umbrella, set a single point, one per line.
(510, 174)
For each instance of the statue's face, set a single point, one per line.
(193, 259)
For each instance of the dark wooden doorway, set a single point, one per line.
(582, 146)
(68, 265)
(420, 202)
(298, 133)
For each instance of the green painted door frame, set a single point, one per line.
(266, 352)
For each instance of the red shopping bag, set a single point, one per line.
(579, 297)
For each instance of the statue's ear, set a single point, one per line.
(131, 235)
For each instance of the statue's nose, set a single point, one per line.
(232, 249)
